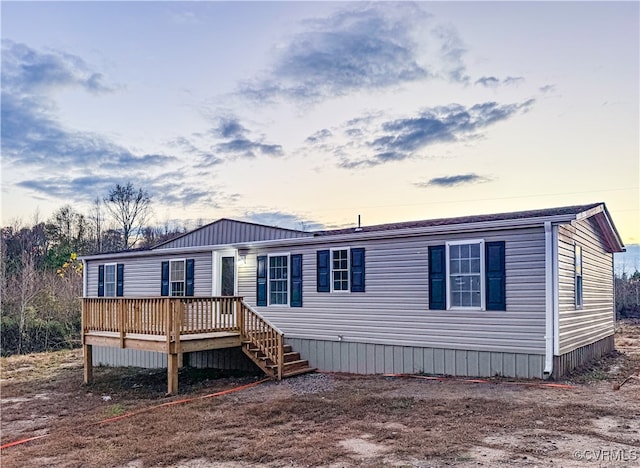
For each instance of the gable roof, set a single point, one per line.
(229, 231)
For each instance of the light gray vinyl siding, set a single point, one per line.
(227, 231)
(142, 275)
(394, 308)
(368, 358)
(595, 320)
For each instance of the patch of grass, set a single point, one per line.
(115, 410)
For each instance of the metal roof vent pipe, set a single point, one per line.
(358, 229)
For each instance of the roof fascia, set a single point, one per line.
(604, 221)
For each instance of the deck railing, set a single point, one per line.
(171, 317)
(154, 316)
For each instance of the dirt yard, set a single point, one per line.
(318, 419)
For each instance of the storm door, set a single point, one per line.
(228, 276)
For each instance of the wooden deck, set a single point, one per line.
(183, 325)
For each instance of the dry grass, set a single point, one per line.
(354, 421)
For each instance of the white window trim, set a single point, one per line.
(115, 277)
(283, 254)
(578, 306)
(340, 291)
(482, 275)
(176, 260)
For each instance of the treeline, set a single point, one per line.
(41, 276)
(628, 295)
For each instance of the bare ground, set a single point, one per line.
(319, 419)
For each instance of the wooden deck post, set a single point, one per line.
(172, 373)
(87, 357)
(240, 316)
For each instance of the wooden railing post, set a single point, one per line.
(167, 322)
(240, 316)
(280, 356)
(121, 320)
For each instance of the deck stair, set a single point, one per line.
(264, 344)
(292, 363)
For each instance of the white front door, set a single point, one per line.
(225, 273)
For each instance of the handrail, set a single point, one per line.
(262, 334)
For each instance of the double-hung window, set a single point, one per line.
(278, 279)
(110, 280)
(465, 273)
(578, 275)
(340, 270)
(177, 275)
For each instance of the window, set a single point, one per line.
(340, 270)
(278, 279)
(110, 280)
(465, 273)
(177, 275)
(578, 275)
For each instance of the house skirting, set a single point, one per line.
(565, 363)
(365, 358)
(224, 359)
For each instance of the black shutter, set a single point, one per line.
(296, 280)
(100, 280)
(495, 276)
(323, 283)
(120, 280)
(437, 278)
(190, 273)
(261, 284)
(164, 285)
(357, 270)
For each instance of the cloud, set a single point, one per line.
(547, 88)
(78, 165)
(375, 139)
(283, 220)
(28, 70)
(363, 47)
(493, 82)
(237, 140)
(319, 136)
(452, 181)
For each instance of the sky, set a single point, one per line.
(308, 114)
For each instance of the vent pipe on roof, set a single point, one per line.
(358, 228)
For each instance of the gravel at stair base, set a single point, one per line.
(309, 383)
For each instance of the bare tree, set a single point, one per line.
(96, 221)
(131, 209)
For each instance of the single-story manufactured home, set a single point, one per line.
(525, 294)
